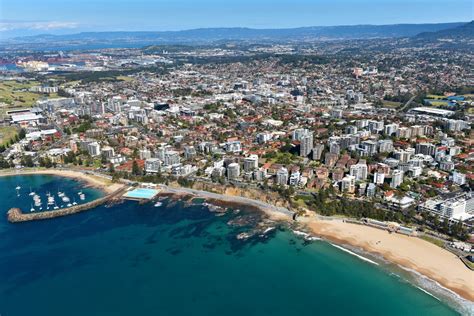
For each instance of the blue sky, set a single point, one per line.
(21, 17)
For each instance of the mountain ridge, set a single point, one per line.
(89, 40)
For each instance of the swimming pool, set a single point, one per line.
(141, 193)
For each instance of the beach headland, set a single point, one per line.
(274, 212)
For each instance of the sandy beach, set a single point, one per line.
(414, 253)
(92, 180)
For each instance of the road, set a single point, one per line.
(407, 104)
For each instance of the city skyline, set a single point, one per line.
(55, 17)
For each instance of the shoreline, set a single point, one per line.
(410, 253)
(92, 180)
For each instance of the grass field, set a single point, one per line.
(438, 103)
(7, 133)
(15, 95)
(391, 104)
(433, 240)
(124, 78)
(436, 97)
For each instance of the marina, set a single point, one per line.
(56, 204)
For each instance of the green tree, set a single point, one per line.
(22, 133)
(136, 170)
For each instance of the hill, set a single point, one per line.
(465, 31)
(88, 40)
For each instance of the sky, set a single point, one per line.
(27, 17)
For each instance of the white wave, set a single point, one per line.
(300, 233)
(430, 294)
(354, 254)
(269, 229)
(466, 306)
(305, 235)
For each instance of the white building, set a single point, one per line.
(233, 171)
(397, 178)
(251, 163)
(459, 178)
(282, 176)
(348, 184)
(457, 208)
(359, 171)
(295, 178)
(379, 177)
(93, 149)
(152, 165)
(145, 154)
(171, 158)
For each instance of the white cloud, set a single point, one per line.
(36, 25)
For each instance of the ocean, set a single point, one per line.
(184, 259)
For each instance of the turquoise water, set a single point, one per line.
(142, 193)
(131, 259)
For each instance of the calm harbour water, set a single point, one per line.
(131, 259)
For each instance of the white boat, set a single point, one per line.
(69, 205)
(32, 193)
(158, 204)
(32, 209)
(18, 188)
(82, 196)
(66, 199)
(51, 200)
(60, 194)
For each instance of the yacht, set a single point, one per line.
(66, 199)
(82, 196)
(158, 204)
(51, 200)
(32, 209)
(32, 193)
